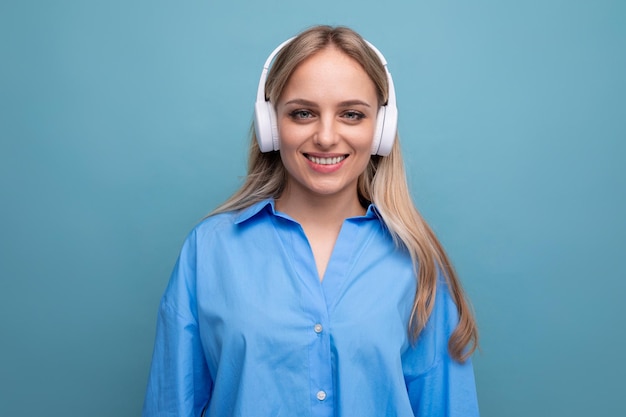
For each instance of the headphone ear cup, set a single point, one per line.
(265, 126)
(273, 126)
(388, 128)
(378, 131)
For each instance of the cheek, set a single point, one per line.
(290, 135)
(364, 161)
(364, 139)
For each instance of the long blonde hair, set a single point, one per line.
(383, 183)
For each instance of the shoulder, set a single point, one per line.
(214, 223)
(231, 224)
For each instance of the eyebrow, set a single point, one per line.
(347, 103)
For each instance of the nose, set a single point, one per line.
(326, 135)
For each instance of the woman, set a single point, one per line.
(317, 289)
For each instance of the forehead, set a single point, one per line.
(330, 73)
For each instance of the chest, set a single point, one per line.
(262, 293)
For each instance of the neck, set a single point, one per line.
(320, 210)
(321, 217)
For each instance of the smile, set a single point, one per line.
(326, 161)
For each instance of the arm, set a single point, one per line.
(179, 383)
(439, 386)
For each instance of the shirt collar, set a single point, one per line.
(269, 206)
(254, 209)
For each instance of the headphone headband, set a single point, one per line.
(265, 121)
(260, 94)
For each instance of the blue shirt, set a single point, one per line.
(246, 328)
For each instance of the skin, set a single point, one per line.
(326, 121)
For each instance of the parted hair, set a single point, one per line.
(383, 183)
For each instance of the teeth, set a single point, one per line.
(326, 161)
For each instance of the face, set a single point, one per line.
(326, 121)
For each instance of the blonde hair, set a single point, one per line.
(383, 183)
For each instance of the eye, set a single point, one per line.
(353, 115)
(301, 114)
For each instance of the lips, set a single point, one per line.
(325, 160)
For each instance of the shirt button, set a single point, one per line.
(321, 395)
(318, 329)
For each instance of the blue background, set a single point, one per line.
(123, 122)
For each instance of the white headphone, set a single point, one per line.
(266, 126)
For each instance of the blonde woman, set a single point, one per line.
(317, 289)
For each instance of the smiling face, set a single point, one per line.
(326, 121)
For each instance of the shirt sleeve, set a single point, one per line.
(438, 385)
(179, 383)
